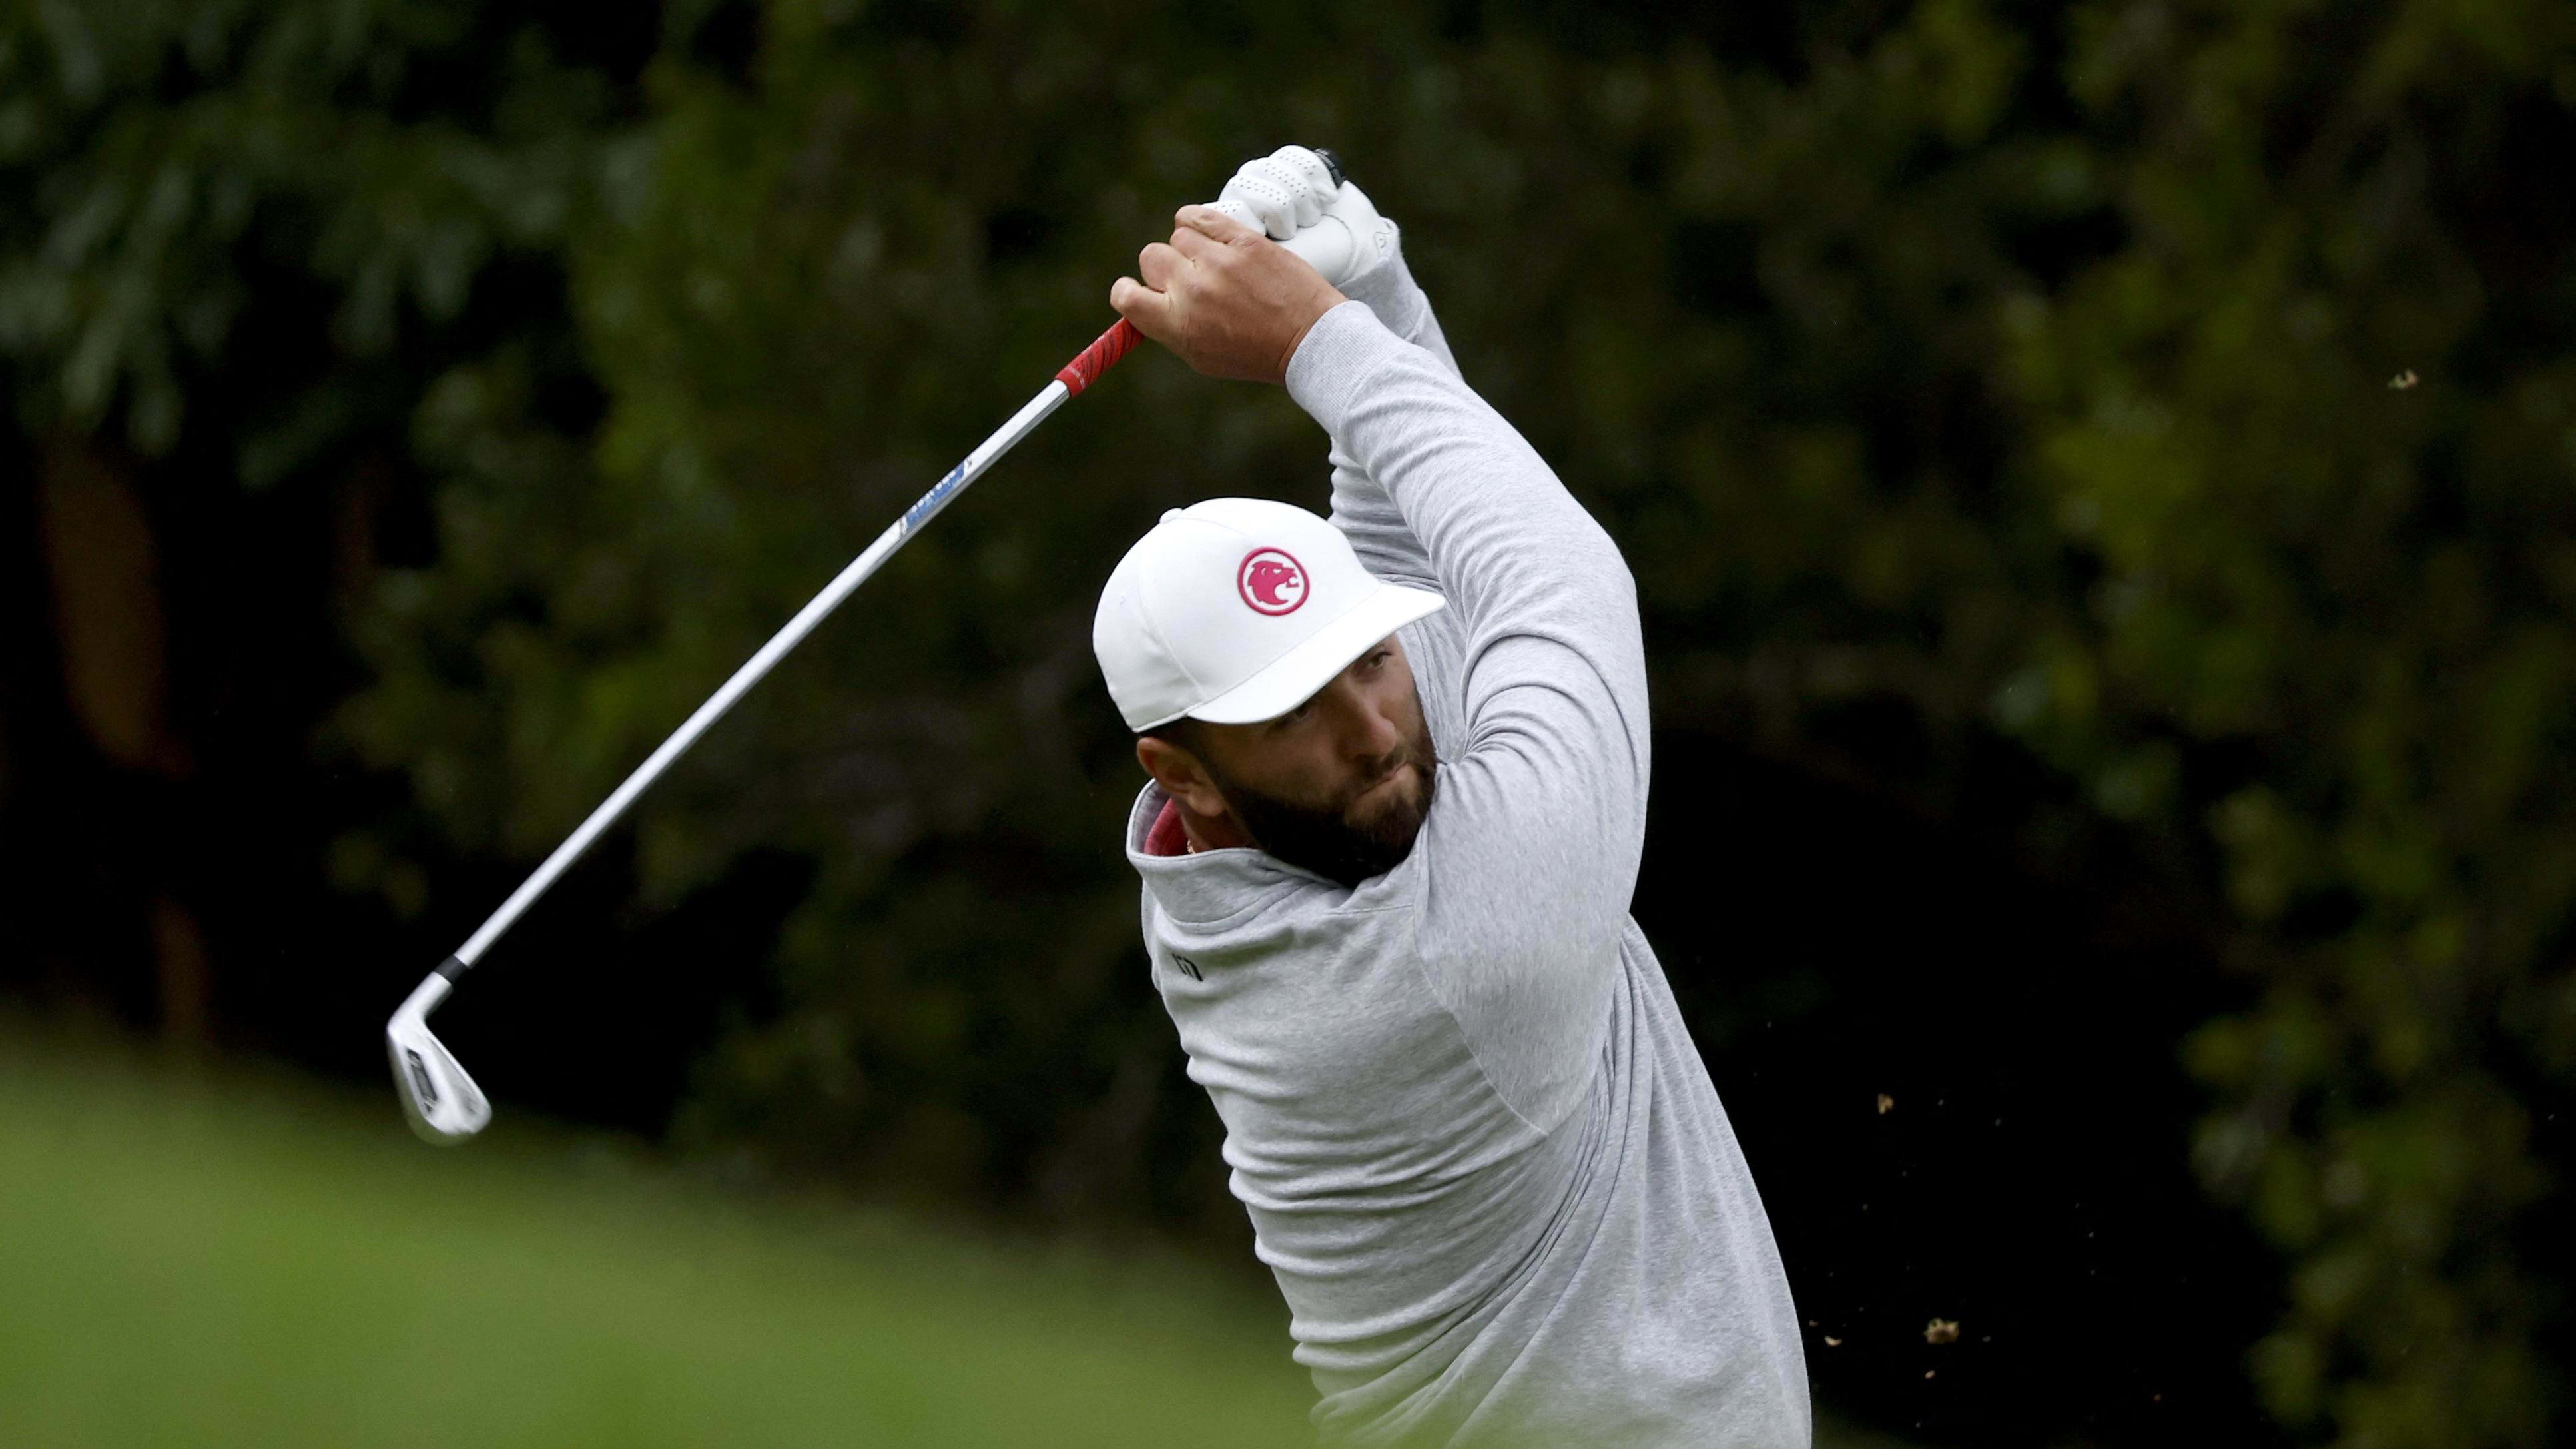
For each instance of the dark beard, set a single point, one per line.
(1322, 839)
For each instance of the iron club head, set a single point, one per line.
(442, 1102)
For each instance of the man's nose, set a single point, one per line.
(1369, 730)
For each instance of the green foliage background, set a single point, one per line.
(2031, 371)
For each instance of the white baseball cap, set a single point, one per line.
(1237, 609)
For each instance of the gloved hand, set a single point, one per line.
(1290, 196)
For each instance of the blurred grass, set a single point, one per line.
(209, 1259)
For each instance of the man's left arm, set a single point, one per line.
(1292, 194)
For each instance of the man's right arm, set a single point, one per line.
(1531, 849)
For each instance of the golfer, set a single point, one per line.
(1398, 768)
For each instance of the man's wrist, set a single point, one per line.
(1388, 288)
(1288, 355)
(1324, 365)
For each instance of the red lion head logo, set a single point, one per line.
(1271, 581)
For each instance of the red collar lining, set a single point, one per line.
(1168, 836)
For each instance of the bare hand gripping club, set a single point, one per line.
(442, 1101)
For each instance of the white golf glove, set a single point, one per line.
(1289, 194)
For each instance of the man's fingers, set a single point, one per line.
(1224, 298)
(1308, 168)
(1211, 223)
(1240, 210)
(1150, 310)
(1265, 201)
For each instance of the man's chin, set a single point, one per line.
(1391, 811)
(1370, 835)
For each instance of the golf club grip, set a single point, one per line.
(1098, 358)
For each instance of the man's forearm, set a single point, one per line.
(1400, 303)
(1504, 539)
(1360, 507)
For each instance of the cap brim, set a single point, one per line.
(1288, 680)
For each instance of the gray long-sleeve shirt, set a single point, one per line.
(1479, 1152)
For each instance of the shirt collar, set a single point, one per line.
(1209, 885)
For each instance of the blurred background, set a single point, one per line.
(2102, 479)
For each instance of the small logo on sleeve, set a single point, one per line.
(1271, 581)
(1186, 964)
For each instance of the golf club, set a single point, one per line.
(442, 1102)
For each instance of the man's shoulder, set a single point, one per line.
(1299, 938)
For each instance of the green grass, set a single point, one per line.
(210, 1259)
(192, 1259)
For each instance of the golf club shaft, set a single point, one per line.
(1076, 375)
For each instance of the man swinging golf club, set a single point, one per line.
(1398, 795)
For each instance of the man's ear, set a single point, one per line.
(1180, 774)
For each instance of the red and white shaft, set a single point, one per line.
(1069, 382)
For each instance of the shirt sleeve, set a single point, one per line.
(1529, 856)
(1378, 533)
